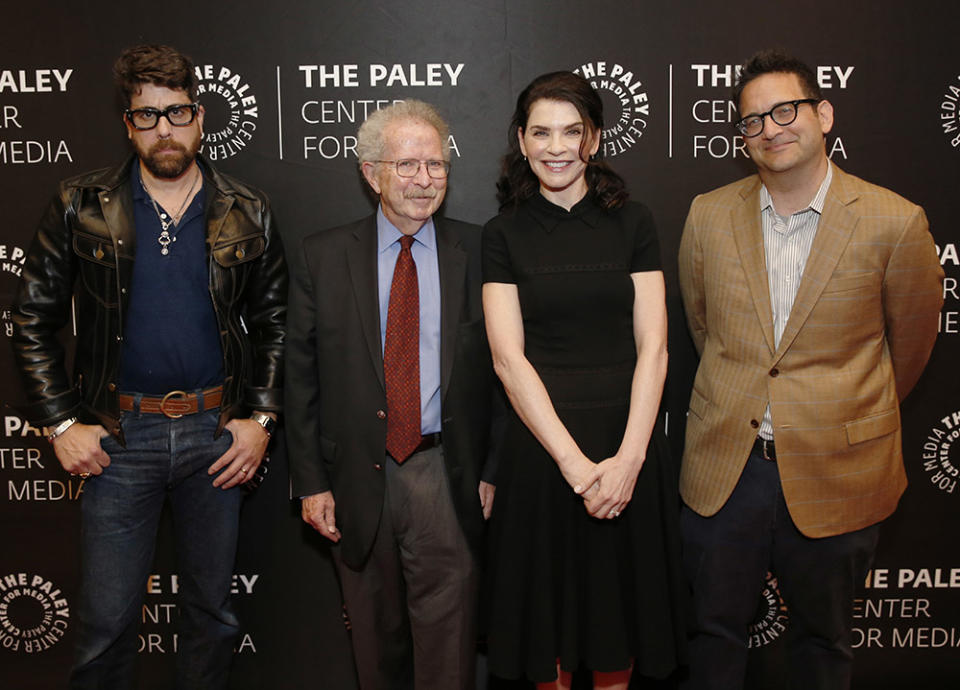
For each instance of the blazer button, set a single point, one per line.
(754, 423)
(377, 467)
(111, 387)
(381, 414)
(774, 372)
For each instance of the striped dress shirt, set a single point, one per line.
(786, 244)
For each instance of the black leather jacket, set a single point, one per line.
(84, 248)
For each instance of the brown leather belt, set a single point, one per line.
(174, 404)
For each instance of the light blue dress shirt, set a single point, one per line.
(424, 250)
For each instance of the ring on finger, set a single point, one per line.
(84, 475)
(243, 469)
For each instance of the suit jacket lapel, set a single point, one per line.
(833, 234)
(362, 267)
(452, 262)
(748, 234)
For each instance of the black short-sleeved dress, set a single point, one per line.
(561, 584)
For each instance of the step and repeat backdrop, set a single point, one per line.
(286, 85)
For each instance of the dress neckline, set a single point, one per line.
(550, 214)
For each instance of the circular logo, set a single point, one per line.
(12, 259)
(230, 111)
(625, 105)
(950, 113)
(941, 472)
(34, 614)
(771, 619)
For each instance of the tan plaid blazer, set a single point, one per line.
(861, 330)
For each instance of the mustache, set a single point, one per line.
(165, 146)
(421, 194)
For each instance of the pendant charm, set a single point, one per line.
(164, 240)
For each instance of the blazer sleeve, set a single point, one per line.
(308, 475)
(912, 299)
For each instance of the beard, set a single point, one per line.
(169, 159)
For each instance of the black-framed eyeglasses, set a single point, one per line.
(409, 167)
(782, 113)
(178, 115)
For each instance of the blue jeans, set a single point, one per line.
(120, 512)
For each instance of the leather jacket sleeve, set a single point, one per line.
(266, 314)
(41, 309)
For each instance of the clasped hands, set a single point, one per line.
(605, 487)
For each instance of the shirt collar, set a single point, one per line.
(549, 215)
(387, 233)
(816, 204)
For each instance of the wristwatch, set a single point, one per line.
(268, 423)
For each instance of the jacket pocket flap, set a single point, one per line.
(874, 426)
(94, 248)
(239, 251)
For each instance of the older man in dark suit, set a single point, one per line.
(389, 385)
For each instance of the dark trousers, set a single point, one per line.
(120, 511)
(412, 607)
(726, 558)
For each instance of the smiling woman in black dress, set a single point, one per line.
(584, 564)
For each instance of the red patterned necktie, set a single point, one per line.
(401, 357)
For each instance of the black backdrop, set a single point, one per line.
(286, 85)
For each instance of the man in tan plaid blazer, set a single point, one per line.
(813, 300)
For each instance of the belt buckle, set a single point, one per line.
(763, 446)
(166, 399)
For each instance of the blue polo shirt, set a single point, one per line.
(171, 338)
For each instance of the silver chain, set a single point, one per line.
(166, 239)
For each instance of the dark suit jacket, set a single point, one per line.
(336, 421)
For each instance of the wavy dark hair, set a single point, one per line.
(153, 64)
(517, 181)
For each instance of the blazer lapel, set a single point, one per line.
(833, 234)
(748, 235)
(362, 267)
(452, 262)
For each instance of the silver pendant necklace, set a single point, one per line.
(166, 239)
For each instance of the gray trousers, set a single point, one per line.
(412, 606)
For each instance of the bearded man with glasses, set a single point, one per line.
(813, 300)
(389, 383)
(179, 283)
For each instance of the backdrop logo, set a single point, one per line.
(949, 116)
(231, 114)
(941, 472)
(771, 618)
(34, 615)
(949, 316)
(11, 259)
(624, 103)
